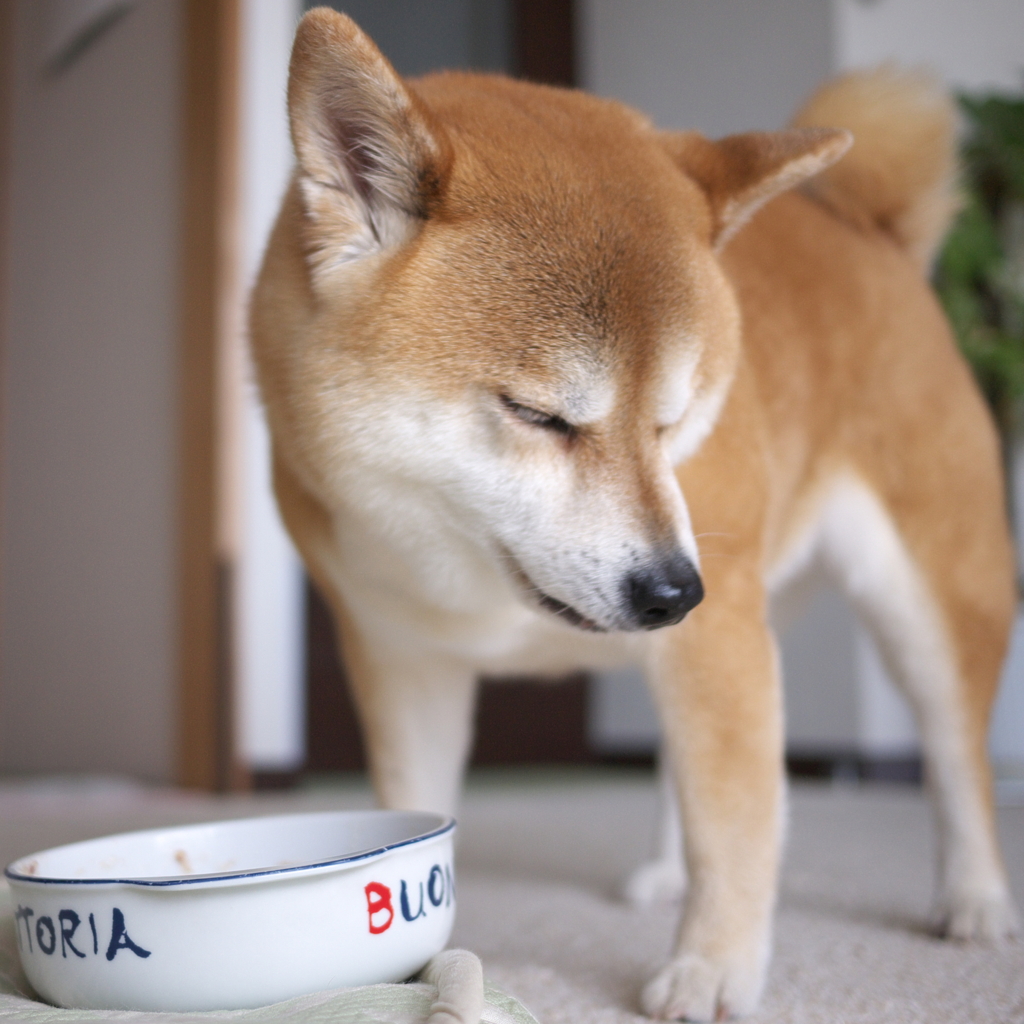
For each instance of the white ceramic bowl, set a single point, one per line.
(235, 914)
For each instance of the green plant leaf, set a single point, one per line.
(973, 275)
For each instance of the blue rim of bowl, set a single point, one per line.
(226, 876)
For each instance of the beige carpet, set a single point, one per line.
(542, 855)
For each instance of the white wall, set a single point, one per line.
(723, 66)
(90, 390)
(271, 639)
(971, 44)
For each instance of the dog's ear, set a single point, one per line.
(740, 173)
(371, 162)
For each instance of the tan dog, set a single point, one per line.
(533, 392)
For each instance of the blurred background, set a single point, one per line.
(154, 620)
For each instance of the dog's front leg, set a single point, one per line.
(717, 682)
(417, 716)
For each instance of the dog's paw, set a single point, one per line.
(657, 881)
(695, 988)
(974, 917)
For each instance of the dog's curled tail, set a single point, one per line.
(901, 172)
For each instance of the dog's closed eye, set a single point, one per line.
(536, 418)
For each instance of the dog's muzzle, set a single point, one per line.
(662, 592)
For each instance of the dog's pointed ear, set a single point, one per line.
(740, 173)
(371, 162)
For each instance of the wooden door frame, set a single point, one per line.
(6, 148)
(209, 394)
(544, 41)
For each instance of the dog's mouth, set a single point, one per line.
(565, 612)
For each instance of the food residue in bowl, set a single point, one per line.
(181, 856)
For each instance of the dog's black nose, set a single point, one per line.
(663, 592)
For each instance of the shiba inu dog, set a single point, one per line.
(549, 388)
